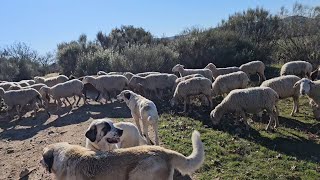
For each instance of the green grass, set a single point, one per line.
(290, 152)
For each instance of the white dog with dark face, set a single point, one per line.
(142, 109)
(104, 135)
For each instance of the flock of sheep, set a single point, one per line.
(230, 82)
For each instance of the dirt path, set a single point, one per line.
(22, 141)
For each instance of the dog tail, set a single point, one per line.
(188, 165)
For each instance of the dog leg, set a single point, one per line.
(136, 119)
(145, 131)
(155, 128)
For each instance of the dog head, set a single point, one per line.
(48, 160)
(125, 96)
(102, 132)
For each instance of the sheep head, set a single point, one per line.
(211, 66)
(177, 68)
(305, 85)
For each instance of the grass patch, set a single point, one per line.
(290, 152)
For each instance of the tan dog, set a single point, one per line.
(142, 109)
(73, 162)
(101, 130)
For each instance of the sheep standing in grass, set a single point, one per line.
(191, 87)
(312, 90)
(250, 100)
(52, 80)
(298, 68)
(20, 98)
(254, 67)
(228, 82)
(283, 85)
(64, 90)
(220, 71)
(107, 84)
(184, 72)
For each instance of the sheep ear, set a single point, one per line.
(48, 159)
(91, 134)
(297, 83)
(127, 95)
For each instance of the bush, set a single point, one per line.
(90, 64)
(223, 48)
(147, 58)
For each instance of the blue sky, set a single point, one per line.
(42, 24)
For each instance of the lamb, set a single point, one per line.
(254, 67)
(106, 84)
(20, 98)
(220, 71)
(153, 83)
(228, 82)
(180, 79)
(312, 90)
(64, 90)
(283, 85)
(250, 100)
(191, 87)
(298, 68)
(52, 80)
(184, 72)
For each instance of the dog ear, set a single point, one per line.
(127, 95)
(48, 159)
(91, 134)
(106, 128)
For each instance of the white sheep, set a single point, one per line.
(220, 71)
(191, 87)
(312, 90)
(254, 67)
(144, 74)
(184, 72)
(52, 80)
(298, 68)
(250, 100)
(283, 85)
(20, 98)
(107, 84)
(64, 90)
(180, 79)
(153, 83)
(228, 82)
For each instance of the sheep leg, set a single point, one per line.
(80, 99)
(96, 97)
(271, 119)
(185, 104)
(210, 101)
(59, 104)
(68, 101)
(245, 120)
(275, 114)
(296, 105)
(18, 111)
